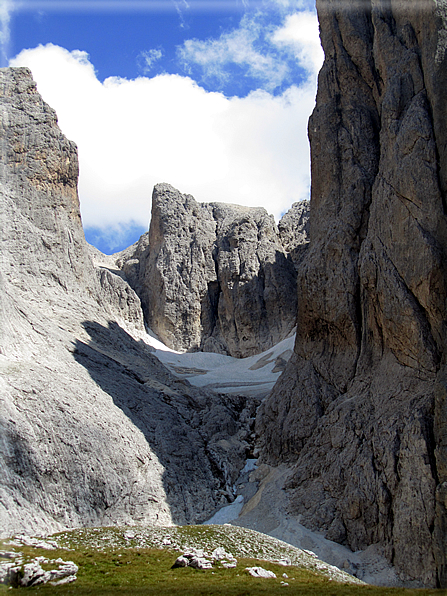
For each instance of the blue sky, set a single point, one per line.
(212, 97)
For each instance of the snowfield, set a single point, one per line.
(254, 375)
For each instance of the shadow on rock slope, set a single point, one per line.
(198, 437)
(93, 429)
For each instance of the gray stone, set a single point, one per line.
(34, 575)
(293, 230)
(197, 559)
(220, 553)
(216, 277)
(193, 558)
(132, 262)
(360, 409)
(260, 572)
(10, 574)
(200, 563)
(257, 303)
(94, 430)
(181, 561)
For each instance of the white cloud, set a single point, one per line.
(235, 47)
(6, 7)
(134, 134)
(181, 6)
(273, 47)
(301, 33)
(148, 58)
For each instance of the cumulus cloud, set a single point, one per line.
(300, 34)
(134, 134)
(6, 7)
(273, 48)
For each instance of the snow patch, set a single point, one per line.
(228, 513)
(250, 466)
(253, 376)
(152, 340)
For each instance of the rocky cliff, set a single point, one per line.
(217, 277)
(361, 408)
(94, 430)
(293, 229)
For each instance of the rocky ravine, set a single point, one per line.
(360, 412)
(361, 409)
(217, 277)
(94, 429)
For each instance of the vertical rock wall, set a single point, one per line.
(217, 277)
(360, 410)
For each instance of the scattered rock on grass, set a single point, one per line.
(260, 572)
(193, 558)
(181, 561)
(197, 559)
(225, 559)
(15, 573)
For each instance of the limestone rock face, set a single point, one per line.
(361, 407)
(294, 231)
(179, 268)
(93, 428)
(214, 277)
(256, 305)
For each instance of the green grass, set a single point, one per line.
(134, 571)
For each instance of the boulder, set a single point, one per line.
(34, 575)
(193, 558)
(181, 561)
(260, 572)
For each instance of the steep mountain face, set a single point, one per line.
(94, 430)
(361, 408)
(216, 277)
(293, 230)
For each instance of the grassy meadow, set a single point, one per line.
(111, 564)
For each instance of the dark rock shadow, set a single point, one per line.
(182, 425)
(247, 314)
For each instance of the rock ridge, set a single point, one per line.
(217, 277)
